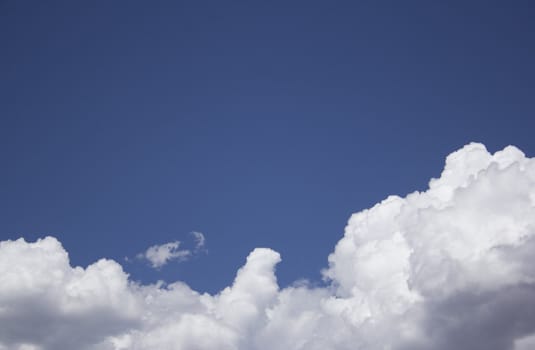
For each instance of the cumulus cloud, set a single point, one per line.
(47, 304)
(159, 255)
(450, 267)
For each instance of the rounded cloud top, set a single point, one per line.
(450, 267)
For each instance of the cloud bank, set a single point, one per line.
(449, 268)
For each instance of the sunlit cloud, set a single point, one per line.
(448, 268)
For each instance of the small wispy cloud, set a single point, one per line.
(200, 240)
(159, 255)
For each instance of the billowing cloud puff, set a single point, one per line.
(449, 268)
(46, 304)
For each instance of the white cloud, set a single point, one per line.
(159, 255)
(46, 304)
(200, 240)
(449, 268)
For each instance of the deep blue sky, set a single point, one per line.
(126, 124)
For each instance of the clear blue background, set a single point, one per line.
(126, 124)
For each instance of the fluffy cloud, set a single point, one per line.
(451, 267)
(46, 304)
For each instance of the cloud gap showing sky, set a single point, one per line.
(451, 267)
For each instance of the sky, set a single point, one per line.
(178, 138)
